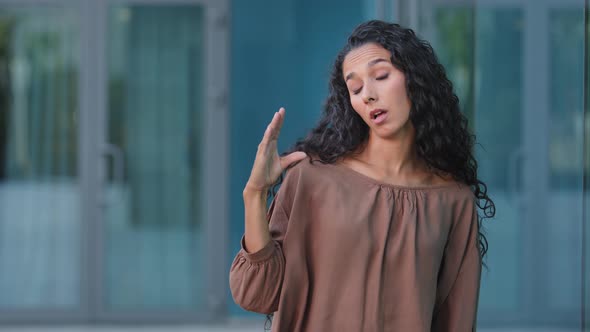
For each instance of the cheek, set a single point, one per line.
(357, 104)
(399, 90)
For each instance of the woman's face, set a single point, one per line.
(377, 90)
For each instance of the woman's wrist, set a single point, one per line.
(251, 190)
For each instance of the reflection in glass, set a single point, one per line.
(567, 125)
(498, 109)
(154, 228)
(39, 194)
(566, 133)
(454, 46)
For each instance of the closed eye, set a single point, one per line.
(382, 77)
(357, 91)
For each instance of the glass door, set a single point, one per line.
(41, 187)
(160, 250)
(113, 144)
(153, 189)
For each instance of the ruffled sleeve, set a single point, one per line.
(459, 277)
(256, 278)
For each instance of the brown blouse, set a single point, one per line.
(350, 253)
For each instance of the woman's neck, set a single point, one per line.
(390, 157)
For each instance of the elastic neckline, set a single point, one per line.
(366, 178)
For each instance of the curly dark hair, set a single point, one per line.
(443, 139)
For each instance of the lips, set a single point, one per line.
(378, 115)
(375, 113)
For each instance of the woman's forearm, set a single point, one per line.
(256, 235)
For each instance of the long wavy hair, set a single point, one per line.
(442, 140)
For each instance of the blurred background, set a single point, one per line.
(128, 129)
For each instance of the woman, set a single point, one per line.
(380, 230)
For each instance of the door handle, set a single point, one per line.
(514, 179)
(116, 153)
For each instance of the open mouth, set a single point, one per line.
(376, 115)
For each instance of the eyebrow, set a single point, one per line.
(370, 64)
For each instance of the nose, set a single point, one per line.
(369, 96)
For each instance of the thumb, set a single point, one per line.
(292, 158)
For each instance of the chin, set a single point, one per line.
(390, 132)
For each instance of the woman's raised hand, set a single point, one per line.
(268, 165)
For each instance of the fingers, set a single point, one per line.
(292, 158)
(274, 127)
(276, 124)
(280, 119)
